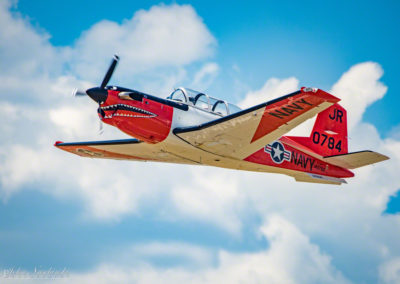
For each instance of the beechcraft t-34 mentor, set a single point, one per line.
(193, 128)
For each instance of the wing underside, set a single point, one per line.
(240, 134)
(128, 149)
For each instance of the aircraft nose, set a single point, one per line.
(97, 94)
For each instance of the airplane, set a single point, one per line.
(190, 127)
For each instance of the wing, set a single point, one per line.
(240, 134)
(128, 149)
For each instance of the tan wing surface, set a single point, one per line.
(128, 149)
(240, 134)
(356, 159)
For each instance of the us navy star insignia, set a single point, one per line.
(277, 152)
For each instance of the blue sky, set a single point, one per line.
(313, 41)
(195, 223)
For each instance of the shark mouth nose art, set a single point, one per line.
(125, 110)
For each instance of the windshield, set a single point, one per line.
(203, 101)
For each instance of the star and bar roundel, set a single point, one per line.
(277, 152)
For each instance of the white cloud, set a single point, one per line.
(347, 224)
(109, 189)
(211, 196)
(205, 76)
(184, 254)
(389, 271)
(358, 88)
(75, 121)
(322, 211)
(273, 88)
(290, 258)
(41, 110)
(25, 52)
(395, 132)
(164, 36)
(171, 36)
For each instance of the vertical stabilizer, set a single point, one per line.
(329, 134)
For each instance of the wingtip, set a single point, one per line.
(322, 93)
(57, 143)
(308, 89)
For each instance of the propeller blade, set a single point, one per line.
(101, 130)
(78, 93)
(110, 71)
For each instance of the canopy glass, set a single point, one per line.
(203, 101)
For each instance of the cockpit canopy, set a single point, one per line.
(203, 101)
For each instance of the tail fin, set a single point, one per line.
(328, 140)
(329, 134)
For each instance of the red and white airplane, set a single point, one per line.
(193, 128)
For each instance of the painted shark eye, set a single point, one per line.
(133, 96)
(124, 96)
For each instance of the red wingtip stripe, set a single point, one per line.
(288, 108)
(327, 96)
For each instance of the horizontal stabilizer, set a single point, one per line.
(314, 178)
(356, 159)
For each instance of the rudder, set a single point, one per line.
(329, 134)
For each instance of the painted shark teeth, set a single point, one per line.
(117, 107)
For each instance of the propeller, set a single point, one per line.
(110, 71)
(101, 130)
(78, 93)
(99, 94)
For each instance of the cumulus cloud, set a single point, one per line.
(395, 132)
(356, 209)
(290, 258)
(200, 200)
(205, 76)
(389, 271)
(358, 88)
(273, 88)
(40, 109)
(164, 35)
(17, 37)
(187, 255)
(346, 226)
